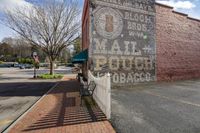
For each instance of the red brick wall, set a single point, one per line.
(178, 45)
(85, 33)
(85, 25)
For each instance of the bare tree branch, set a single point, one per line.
(52, 26)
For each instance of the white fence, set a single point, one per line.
(102, 93)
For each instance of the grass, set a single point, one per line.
(48, 76)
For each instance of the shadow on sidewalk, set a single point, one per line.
(68, 110)
(20, 89)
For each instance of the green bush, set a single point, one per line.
(29, 61)
(25, 61)
(48, 76)
(1, 62)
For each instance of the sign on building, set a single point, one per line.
(122, 34)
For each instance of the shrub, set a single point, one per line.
(29, 61)
(48, 76)
(25, 61)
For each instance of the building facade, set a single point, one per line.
(178, 45)
(139, 41)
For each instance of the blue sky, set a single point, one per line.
(191, 7)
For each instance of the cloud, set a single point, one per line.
(13, 4)
(178, 4)
(59, 0)
(193, 13)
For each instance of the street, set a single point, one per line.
(6, 74)
(19, 91)
(172, 107)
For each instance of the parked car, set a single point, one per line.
(25, 66)
(44, 64)
(5, 65)
(16, 65)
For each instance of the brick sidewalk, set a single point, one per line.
(60, 112)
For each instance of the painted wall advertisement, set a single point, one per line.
(122, 34)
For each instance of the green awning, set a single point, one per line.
(80, 57)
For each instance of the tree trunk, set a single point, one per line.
(51, 67)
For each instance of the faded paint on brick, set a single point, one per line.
(122, 41)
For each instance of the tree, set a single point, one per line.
(21, 47)
(77, 45)
(6, 52)
(64, 56)
(5, 49)
(51, 26)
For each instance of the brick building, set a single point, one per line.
(178, 45)
(140, 42)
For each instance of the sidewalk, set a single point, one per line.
(60, 112)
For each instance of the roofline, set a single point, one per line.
(179, 13)
(164, 5)
(195, 19)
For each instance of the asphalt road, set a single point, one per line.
(18, 92)
(157, 108)
(6, 74)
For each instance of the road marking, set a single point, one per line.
(169, 98)
(5, 121)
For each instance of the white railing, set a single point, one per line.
(102, 93)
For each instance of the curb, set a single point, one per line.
(12, 124)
